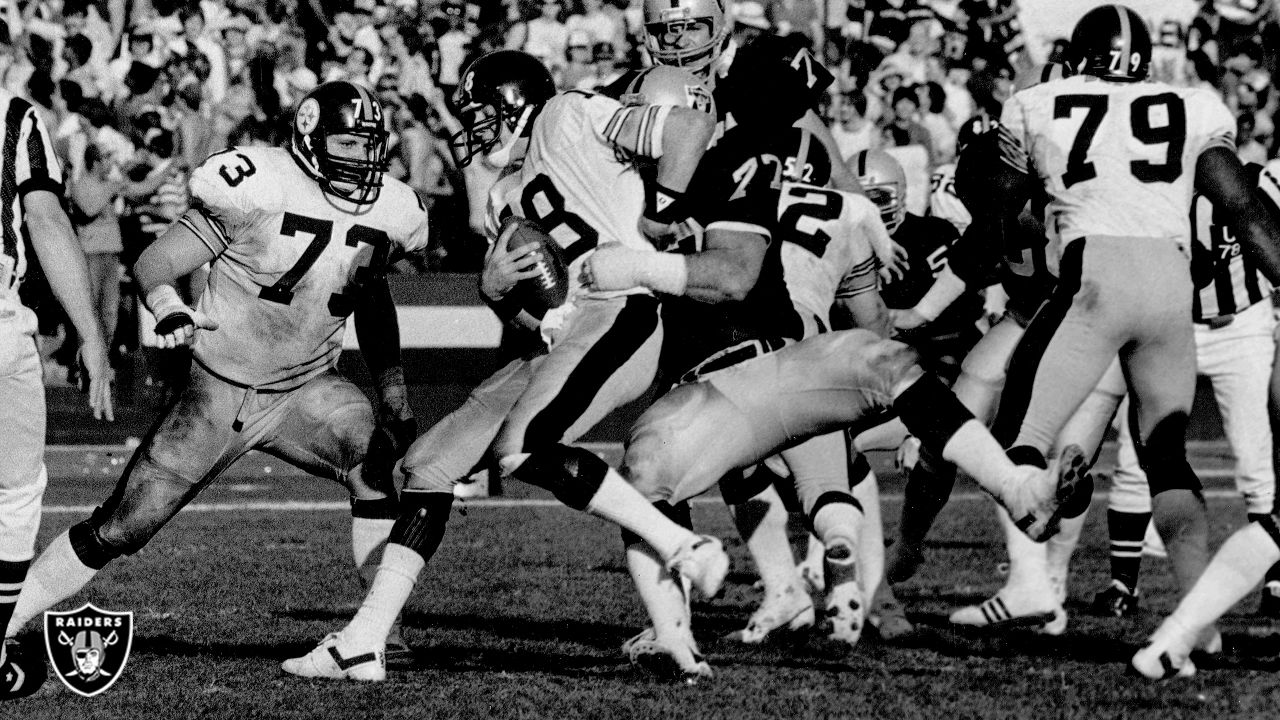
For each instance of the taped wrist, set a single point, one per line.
(665, 272)
(664, 205)
(945, 290)
(170, 311)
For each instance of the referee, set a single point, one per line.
(1235, 349)
(31, 212)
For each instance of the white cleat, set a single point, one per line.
(676, 658)
(1007, 613)
(702, 563)
(789, 610)
(1155, 663)
(845, 608)
(1039, 499)
(1168, 654)
(326, 662)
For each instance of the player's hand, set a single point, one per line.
(179, 328)
(894, 267)
(503, 268)
(93, 358)
(392, 435)
(612, 266)
(906, 319)
(908, 454)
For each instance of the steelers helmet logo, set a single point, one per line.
(308, 116)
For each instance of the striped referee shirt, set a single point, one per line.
(27, 163)
(1236, 283)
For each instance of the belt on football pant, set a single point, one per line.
(733, 355)
(1217, 323)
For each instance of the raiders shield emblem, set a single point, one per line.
(88, 647)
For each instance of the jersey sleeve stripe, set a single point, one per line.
(1011, 150)
(614, 126)
(862, 278)
(207, 228)
(736, 226)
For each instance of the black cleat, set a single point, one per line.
(21, 672)
(1116, 600)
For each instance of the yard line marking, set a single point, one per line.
(333, 506)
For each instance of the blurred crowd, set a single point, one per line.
(139, 92)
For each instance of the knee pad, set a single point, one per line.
(829, 498)
(1163, 456)
(89, 546)
(931, 412)
(421, 521)
(572, 474)
(737, 488)
(387, 508)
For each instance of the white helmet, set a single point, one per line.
(666, 22)
(885, 184)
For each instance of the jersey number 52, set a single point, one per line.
(1153, 120)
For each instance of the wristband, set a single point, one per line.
(944, 291)
(664, 205)
(665, 272)
(170, 311)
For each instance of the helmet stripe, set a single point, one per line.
(1126, 40)
(862, 163)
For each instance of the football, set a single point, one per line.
(550, 287)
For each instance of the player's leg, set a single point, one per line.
(1270, 605)
(22, 483)
(184, 451)
(1128, 516)
(607, 357)
(929, 483)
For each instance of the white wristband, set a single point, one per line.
(164, 300)
(946, 289)
(665, 272)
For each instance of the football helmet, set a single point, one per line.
(341, 108)
(503, 89)
(1113, 43)
(674, 30)
(973, 128)
(663, 85)
(885, 184)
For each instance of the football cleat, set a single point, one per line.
(810, 569)
(1269, 606)
(21, 672)
(888, 616)
(702, 563)
(1155, 663)
(1116, 600)
(845, 608)
(789, 610)
(996, 613)
(1039, 499)
(676, 659)
(326, 662)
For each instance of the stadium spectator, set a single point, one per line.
(900, 128)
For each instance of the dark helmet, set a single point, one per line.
(972, 129)
(1113, 43)
(341, 108)
(503, 88)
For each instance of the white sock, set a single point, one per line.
(1028, 563)
(387, 596)
(973, 450)
(1060, 547)
(1239, 566)
(620, 503)
(762, 522)
(55, 576)
(659, 592)
(368, 537)
(870, 536)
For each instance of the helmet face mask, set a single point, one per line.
(686, 33)
(499, 97)
(330, 112)
(885, 184)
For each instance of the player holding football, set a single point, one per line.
(1118, 159)
(574, 170)
(298, 238)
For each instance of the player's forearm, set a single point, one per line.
(175, 254)
(64, 265)
(722, 274)
(685, 137)
(1223, 180)
(866, 311)
(378, 332)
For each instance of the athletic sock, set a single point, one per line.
(620, 503)
(12, 574)
(762, 523)
(57, 574)
(368, 536)
(1127, 531)
(927, 490)
(387, 596)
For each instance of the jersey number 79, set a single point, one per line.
(1172, 132)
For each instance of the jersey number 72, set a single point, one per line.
(1172, 132)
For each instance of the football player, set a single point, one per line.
(575, 170)
(745, 393)
(1118, 159)
(31, 185)
(298, 238)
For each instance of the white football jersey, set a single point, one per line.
(943, 201)
(289, 261)
(828, 250)
(575, 184)
(1116, 159)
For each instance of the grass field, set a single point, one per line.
(522, 612)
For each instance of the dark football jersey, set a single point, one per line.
(736, 187)
(928, 242)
